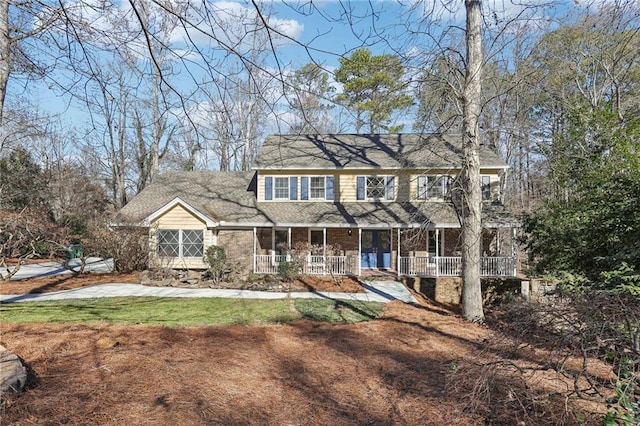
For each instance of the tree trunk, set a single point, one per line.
(5, 65)
(159, 127)
(471, 199)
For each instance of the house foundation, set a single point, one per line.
(448, 290)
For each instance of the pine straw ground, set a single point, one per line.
(417, 364)
(69, 281)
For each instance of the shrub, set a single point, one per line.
(289, 271)
(128, 247)
(216, 258)
(28, 234)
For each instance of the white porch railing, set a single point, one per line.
(435, 266)
(499, 266)
(439, 266)
(268, 263)
(313, 265)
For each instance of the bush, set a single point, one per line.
(29, 234)
(289, 271)
(216, 258)
(128, 247)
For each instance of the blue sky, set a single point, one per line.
(320, 29)
(333, 29)
(320, 26)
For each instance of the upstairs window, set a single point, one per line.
(180, 243)
(375, 187)
(317, 188)
(280, 188)
(433, 187)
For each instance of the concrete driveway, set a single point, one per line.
(45, 269)
(375, 291)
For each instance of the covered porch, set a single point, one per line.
(402, 251)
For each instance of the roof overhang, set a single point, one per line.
(430, 225)
(378, 167)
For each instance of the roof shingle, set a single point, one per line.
(229, 198)
(356, 151)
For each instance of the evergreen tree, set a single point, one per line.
(592, 229)
(374, 88)
(22, 183)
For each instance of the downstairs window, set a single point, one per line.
(180, 243)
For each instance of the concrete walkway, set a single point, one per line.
(375, 291)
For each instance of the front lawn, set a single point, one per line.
(183, 311)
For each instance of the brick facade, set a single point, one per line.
(238, 246)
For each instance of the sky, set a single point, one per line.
(314, 30)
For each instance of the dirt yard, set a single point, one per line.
(68, 281)
(63, 282)
(417, 364)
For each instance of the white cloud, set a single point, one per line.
(220, 25)
(495, 12)
(234, 25)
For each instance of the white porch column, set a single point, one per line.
(324, 242)
(398, 255)
(359, 251)
(437, 252)
(514, 251)
(255, 248)
(324, 251)
(289, 244)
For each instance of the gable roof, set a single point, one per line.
(188, 207)
(377, 151)
(217, 196)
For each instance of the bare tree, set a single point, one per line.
(109, 143)
(5, 45)
(152, 59)
(31, 19)
(310, 100)
(154, 133)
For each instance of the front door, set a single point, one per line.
(376, 249)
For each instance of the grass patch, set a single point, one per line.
(151, 310)
(187, 311)
(338, 311)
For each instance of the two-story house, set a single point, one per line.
(350, 203)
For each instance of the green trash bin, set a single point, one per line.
(74, 251)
